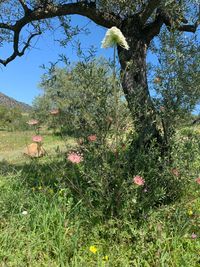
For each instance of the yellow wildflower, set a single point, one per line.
(93, 249)
(105, 258)
(61, 191)
(190, 212)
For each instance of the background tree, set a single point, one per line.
(140, 21)
(12, 118)
(84, 97)
(176, 79)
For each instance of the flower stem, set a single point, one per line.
(115, 97)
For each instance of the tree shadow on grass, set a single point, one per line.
(7, 168)
(35, 172)
(57, 173)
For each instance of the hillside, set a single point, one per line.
(12, 103)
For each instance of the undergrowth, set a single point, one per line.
(46, 220)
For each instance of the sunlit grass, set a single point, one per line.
(13, 144)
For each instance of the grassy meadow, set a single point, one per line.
(103, 169)
(13, 144)
(42, 225)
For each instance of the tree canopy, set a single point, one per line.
(139, 21)
(22, 20)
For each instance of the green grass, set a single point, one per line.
(13, 144)
(53, 234)
(59, 232)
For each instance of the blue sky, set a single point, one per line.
(20, 78)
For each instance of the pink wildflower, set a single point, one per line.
(32, 122)
(74, 157)
(198, 180)
(175, 172)
(138, 180)
(193, 236)
(92, 138)
(37, 138)
(54, 112)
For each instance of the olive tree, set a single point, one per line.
(140, 21)
(176, 80)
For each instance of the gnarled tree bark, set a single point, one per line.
(134, 82)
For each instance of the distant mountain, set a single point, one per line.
(12, 103)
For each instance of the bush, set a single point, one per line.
(84, 97)
(12, 119)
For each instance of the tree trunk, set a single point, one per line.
(135, 86)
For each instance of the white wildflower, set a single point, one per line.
(114, 37)
(24, 212)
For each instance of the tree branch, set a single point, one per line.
(88, 10)
(148, 10)
(27, 44)
(24, 6)
(170, 23)
(6, 26)
(152, 29)
(188, 28)
(16, 52)
(49, 10)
